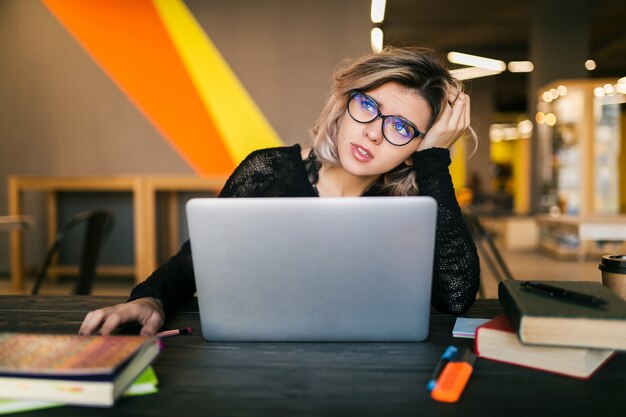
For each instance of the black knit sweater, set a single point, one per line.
(281, 172)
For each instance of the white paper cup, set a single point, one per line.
(613, 269)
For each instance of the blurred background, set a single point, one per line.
(144, 88)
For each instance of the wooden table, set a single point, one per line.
(143, 189)
(582, 237)
(323, 379)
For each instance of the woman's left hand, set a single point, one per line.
(454, 120)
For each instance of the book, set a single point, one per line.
(146, 383)
(539, 318)
(496, 340)
(71, 369)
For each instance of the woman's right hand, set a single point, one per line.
(148, 312)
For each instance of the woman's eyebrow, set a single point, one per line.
(374, 100)
(380, 107)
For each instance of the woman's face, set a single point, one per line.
(362, 148)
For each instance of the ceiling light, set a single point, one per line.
(378, 11)
(376, 36)
(471, 72)
(550, 119)
(477, 61)
(590, 64)
(608, 88)
(520, 66)
(562, 90)
(540, 118)
(525, 127)
(547, 97)
(599, 92)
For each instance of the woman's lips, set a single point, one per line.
(361, 153)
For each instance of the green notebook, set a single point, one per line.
(146, 383)
(542, 319)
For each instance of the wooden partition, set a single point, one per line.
(143, 188)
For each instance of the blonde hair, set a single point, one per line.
(418, 69)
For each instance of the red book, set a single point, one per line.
(496, 340)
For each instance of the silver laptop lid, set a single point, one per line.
(313, 269)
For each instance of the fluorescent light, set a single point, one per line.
(471, 72)
(476, 61)
(521, 66)
(378, 11)
(376, 36)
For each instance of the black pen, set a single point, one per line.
(553, 291)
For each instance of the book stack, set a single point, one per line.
(71, 369)
(563, 335)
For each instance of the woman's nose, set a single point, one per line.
(373, 130)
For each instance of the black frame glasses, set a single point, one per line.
(417, 133)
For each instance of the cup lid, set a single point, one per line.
(613, 263)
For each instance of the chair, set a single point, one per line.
(98, 227)
(486, 247)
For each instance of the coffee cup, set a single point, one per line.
(613, 269)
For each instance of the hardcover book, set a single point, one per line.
(71, 369)
(146, 383)
(543, 319)
(497, 341)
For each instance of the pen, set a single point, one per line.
(452, 381)
(446, 357)
(553, 291)
(175, 332)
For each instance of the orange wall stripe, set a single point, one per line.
(224, 96)
(129, 42)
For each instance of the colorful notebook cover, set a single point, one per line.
(65, 355)
(72, 369)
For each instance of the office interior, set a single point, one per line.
(549, 164)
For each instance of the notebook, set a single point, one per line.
(313, 269)
(541, 319)
(72, 369)
(496, 340)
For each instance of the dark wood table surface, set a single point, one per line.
(323, 379)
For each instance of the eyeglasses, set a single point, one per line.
(396, 130)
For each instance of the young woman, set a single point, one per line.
(385, 130)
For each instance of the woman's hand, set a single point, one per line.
(148, 312)
(454, 120)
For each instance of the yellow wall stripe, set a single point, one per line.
(242, 126)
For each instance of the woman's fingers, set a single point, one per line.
(152, 325)
(456, 121)
(453, 121)
(92, 321)
(146, 312)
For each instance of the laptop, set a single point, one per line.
(313, 269)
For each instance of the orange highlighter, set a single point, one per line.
(454, 377)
